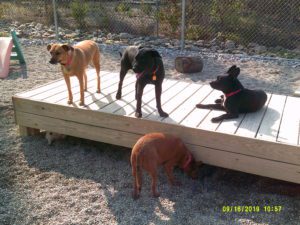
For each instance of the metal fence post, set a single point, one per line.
(157, 18)
(182, 25)
(55, 19)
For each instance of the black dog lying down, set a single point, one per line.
(149, 69)
(237, 98)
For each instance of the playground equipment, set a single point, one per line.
(10, 49)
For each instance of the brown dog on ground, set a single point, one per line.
(74, 60)
(156, 149)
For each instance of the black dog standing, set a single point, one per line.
(237, 98)
(149, 69)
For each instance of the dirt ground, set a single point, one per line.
(78, 181)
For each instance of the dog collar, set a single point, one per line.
(69, 61)
(187, 162)
(232, 93)
(154, 74)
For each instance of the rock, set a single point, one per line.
(260, 49)
(229, 45)
(184, 64)
(125, 36)
(70, 36)
(252, 45)
(39, 26)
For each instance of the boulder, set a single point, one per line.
(185, 64)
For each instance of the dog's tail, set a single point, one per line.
(137, 174)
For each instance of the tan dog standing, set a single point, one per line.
(74, 60)
(155, 149)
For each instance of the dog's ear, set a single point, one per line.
(49, 47)
(67, 47)
(233, 71)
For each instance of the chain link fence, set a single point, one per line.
(266, 22)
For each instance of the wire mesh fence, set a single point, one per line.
(266, 22)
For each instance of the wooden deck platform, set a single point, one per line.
(264, 143)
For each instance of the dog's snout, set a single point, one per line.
(53, 61)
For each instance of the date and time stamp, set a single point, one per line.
(251, 209)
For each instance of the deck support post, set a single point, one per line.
(28, 131)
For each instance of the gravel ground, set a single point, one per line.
(77, 181)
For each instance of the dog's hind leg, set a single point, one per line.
(96, 62)
(137, 177)
(123, 72)
(153, 175)
(139, 93)
(85, 81)
(158, 91)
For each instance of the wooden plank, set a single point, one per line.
(270, 125)
(252, 121)
(289, 127)
(49, 86)
(61, 92)
(183, 110)
(62, 98)
(194, 117)
(175, 102)
(167, 96)
(230, 126)
(129, 109)
(77, 129)
(207, 115)
(126, 99)
(248, 164)
(98, 101)
(232, 143)
(28, 131)
(229, 160)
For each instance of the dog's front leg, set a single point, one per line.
(85, 81)
(70, 96)
(153, 175)
(139, 93)
(81, 84)
(169, 171)
(220, 100)
(224, 116)
(158, 91)
(210, 106)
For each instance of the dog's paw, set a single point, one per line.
(163, 114)
(81, 103)
(138, 114)
(201, 106)
(70, 102)
(118, 96)
(156, 195)
(219, 101)
(98, 91)
(216, 119)
(135, 195)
